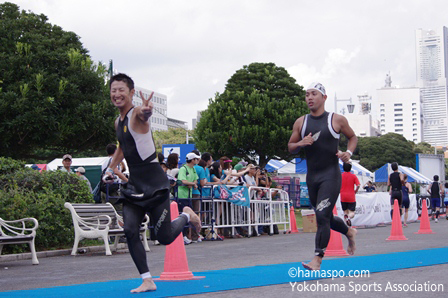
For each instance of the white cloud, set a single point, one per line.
(189, 49)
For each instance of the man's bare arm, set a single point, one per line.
(342, 123)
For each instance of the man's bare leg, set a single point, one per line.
(351, 214)
(194, 218)
(146, 286)
(314, 264)
(351, 240)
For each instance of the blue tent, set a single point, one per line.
(275, 165)
(382, 174)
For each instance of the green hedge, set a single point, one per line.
(28, 193)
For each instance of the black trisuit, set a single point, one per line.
(147, 191)
(323, 176)
(395, 184)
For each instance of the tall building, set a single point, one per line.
(197, 119)
(400, 111)
(159, 115)
(432, 74)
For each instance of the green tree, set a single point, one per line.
(374, 152)
(254, 116)
(170, 136)
(52, 96)
(425, 148)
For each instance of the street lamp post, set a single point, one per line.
(350, 106)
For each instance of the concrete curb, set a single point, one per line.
(62, 252)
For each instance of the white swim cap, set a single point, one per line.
(317, 86)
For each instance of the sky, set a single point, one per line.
(188, 50)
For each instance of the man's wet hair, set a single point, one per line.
(121, 77)
(347, 167)
(394, 166)
(436, 177)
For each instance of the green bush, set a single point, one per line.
(9, 165)
(28, 193)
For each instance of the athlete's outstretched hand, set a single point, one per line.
(147, 104)
(307, 140)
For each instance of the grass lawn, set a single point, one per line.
(298, 215)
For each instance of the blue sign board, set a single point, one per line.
(181, 149)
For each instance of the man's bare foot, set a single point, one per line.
(195, 221)
(351, 240)
(146, 286)
(314, 264)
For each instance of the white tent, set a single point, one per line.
(297, 168)
(79, 162)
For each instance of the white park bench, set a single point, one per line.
(93, 221)
(16, 232)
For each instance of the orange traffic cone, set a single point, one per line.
(425, 227)
(176, 264)
(335, 247)
(396, 232)
(292, 221)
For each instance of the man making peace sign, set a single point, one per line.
(148, 186)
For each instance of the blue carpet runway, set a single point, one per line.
(240, 278)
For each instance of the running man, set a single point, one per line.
(434, 190)
(318, 133)
(148, 186)
(348, 193)
(395, 181)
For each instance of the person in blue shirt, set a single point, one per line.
(203, 170)
(369, 187)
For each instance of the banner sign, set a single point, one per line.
(373, 208)
(238, 195)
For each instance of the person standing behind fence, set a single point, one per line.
(434, 191)
(206, 190)
(172, 163)
(348, 193)
(318, 133)
(395, 181)
(187, 174)
(369, 187)
(406, 189)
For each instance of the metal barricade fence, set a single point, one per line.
(264, 211)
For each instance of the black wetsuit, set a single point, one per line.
(395, 184)
(323, 176)
(147, 191)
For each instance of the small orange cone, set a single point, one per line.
(425, 227)
(396, 232)
(176, 264)
(335, 247)
(292, 221)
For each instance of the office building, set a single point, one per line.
(159, 116)
(174, 123)
(400, 111)
(432, 74)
